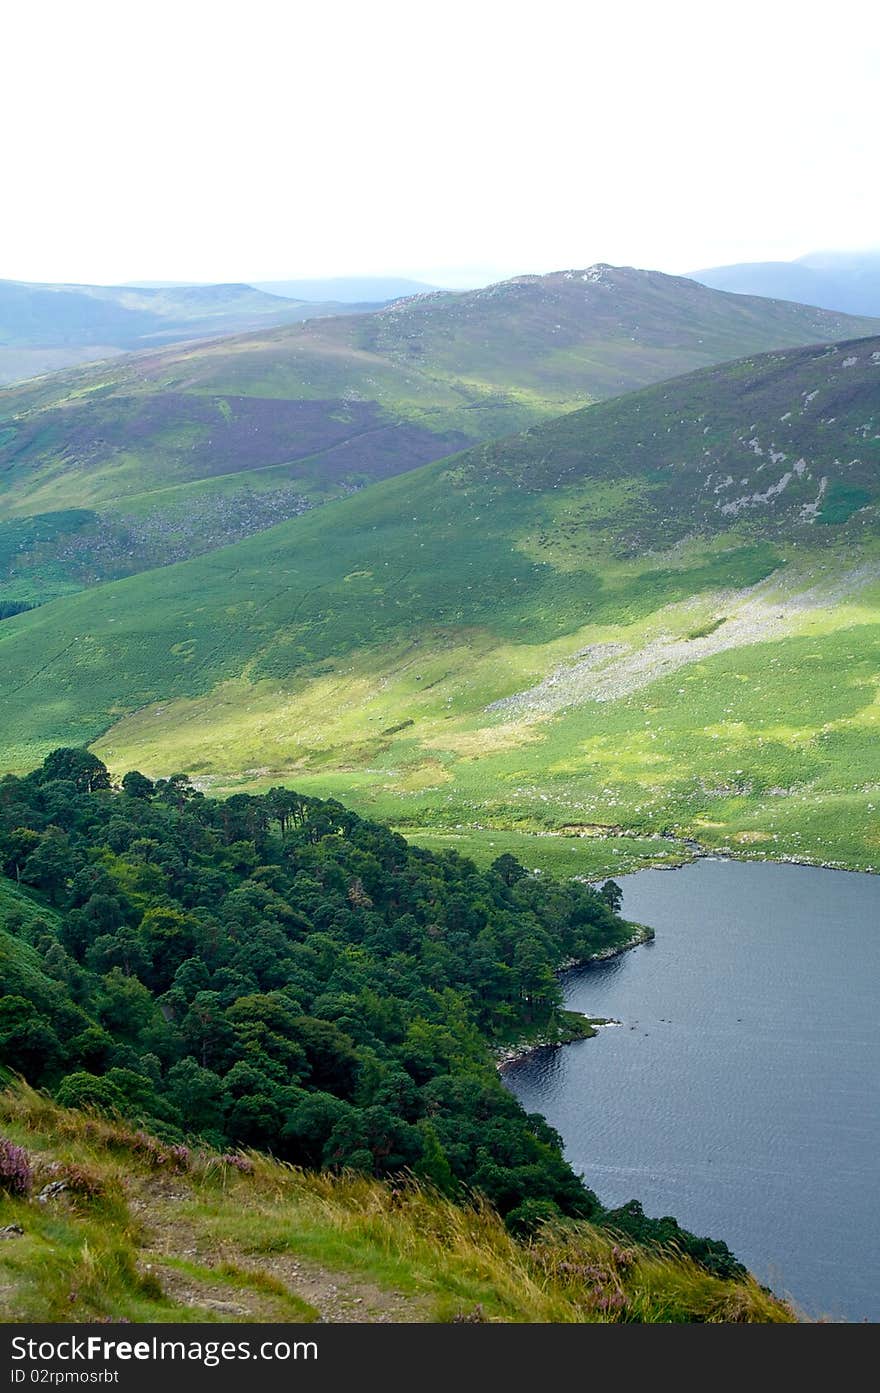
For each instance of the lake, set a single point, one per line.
(741, 1092)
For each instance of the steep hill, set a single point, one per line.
(598, 332)
(136, 1232)
(46, 327)
(113, 469)
(503, 640)
(277, 973)
(844, 281)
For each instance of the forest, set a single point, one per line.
(274, 972)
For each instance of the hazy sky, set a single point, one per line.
(457, 141)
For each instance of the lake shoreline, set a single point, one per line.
(569, 1033)
(750, 1039)
(699, 852)
(744, 858)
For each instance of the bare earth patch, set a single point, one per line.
(172, 1236)
(608, 671)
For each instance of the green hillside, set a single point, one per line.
(502, 641)
(274, 972)
(139, 1233)
(110, 470)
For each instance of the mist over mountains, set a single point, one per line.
(846, 281)
(44, 327)
(346, 289)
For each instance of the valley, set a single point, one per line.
(439, 685)
(44, 328)
(111, 470)
(656, 617)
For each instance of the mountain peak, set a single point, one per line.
(596, 273)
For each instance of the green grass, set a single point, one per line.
(135, 1248)
(841, 501)
(591, 855)
(361, 649)
(26, 904)
(338, 401)
(21, 967)
(704, 630)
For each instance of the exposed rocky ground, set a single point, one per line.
(607, 671)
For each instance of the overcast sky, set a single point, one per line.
(455, 142)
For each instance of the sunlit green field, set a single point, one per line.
(592, 857)
(766, 748)
(539, 636)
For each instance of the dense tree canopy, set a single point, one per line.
(273, 971)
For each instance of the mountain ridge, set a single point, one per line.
(363, 649)
(849, 282)
(344, 289)
(113, 463)
(47, 326)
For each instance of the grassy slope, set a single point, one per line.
(140, 1238)
(21, 967)
(118, 461)
(356, 650)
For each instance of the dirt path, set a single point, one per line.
(174, 1247)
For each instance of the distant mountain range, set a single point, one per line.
(157, 456)
(47, 327)
(347, 289)
(845, 281)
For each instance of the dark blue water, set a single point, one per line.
(742, 1091)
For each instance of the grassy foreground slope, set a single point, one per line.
(143, 1234)
(655, 616)
(114, 469)
(275, 973)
